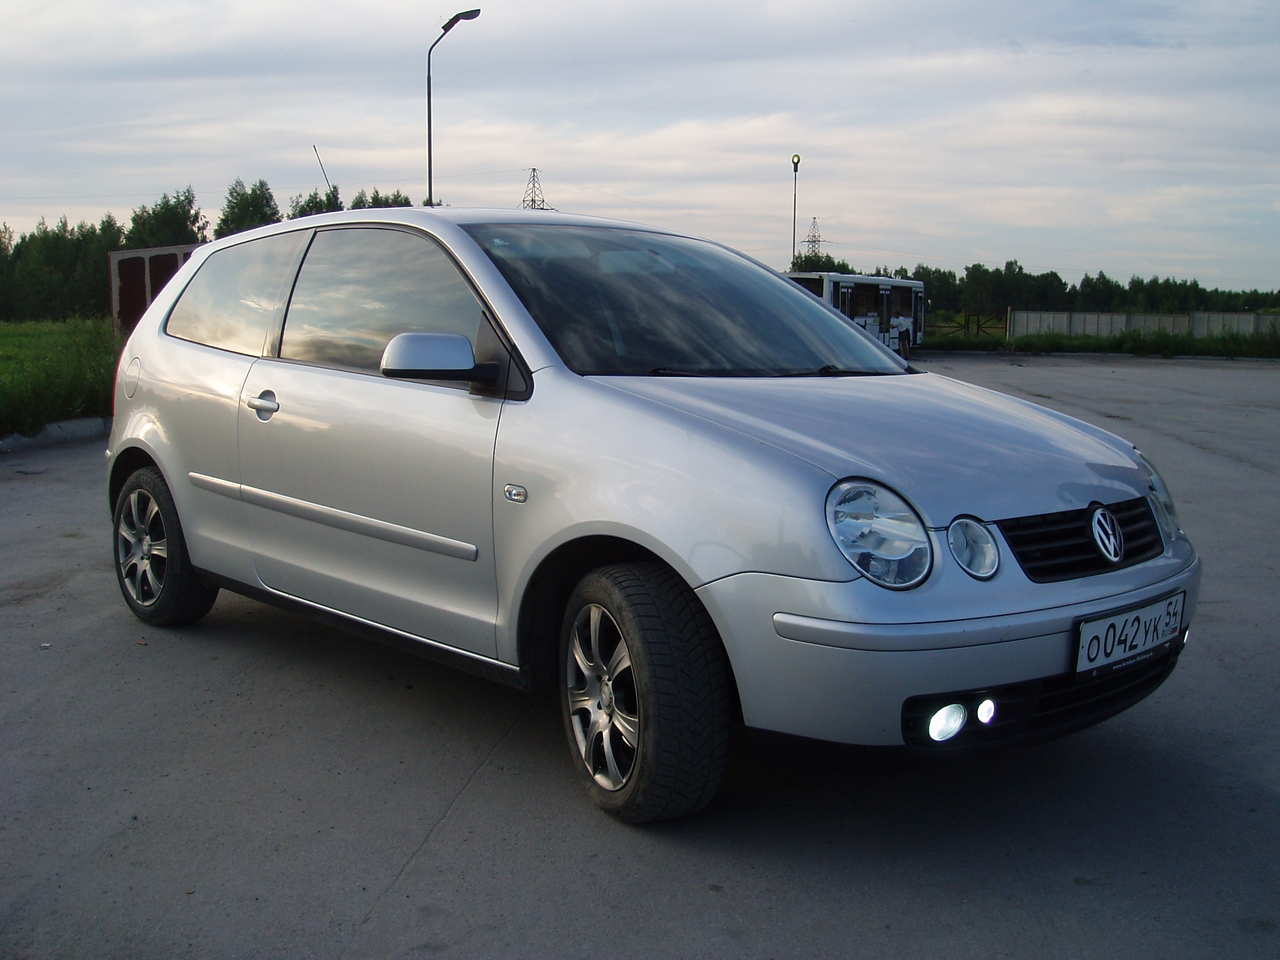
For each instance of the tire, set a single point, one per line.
(645, 693)
(152, 566)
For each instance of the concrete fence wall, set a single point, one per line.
(1022, 322)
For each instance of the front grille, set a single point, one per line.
(1060, 546)
(1037, 710)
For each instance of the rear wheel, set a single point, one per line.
(644, 692)
(152, 567)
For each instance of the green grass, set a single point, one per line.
(959, 341)
(55, 370)
(1136, 342)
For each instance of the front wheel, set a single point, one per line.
(644, 692)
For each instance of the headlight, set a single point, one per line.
(879, 533)
(974, 548)
(1166, 514)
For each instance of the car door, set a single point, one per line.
(214, 333)
(367, 495)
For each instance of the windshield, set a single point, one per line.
(631, 303)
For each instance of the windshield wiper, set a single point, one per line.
(826, 370)
(830, 370)
(698, 372)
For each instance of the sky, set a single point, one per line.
(1128, 136)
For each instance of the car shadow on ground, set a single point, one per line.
(1124, 814)
(1121, 786)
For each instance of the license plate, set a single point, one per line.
(1125, 639)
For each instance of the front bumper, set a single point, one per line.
(848, 681)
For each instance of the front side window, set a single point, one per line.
(633, 303)
(237, 293)
(359, 287)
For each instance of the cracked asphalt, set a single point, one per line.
(263, 786)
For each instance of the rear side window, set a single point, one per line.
(360, 287)
(236, 295)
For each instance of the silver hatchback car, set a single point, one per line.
(641, 467)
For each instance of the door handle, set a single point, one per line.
(264, 403)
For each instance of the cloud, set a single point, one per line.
(1135, 137)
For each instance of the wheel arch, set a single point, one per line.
(122, 467)
(546, 594)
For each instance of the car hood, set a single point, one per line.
(951, 448)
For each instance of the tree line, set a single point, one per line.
(60, 271)
(986, 291)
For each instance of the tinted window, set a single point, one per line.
(236, 294)
(360, 287)
(617, 301)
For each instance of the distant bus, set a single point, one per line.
(873, 303)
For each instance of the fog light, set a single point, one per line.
(1186, 636)
(974, 548)
(947, 722)
(986, 711)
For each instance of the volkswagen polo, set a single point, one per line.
(641, 467)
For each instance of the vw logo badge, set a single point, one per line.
(1107, 535)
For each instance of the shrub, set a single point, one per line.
(1137, 342)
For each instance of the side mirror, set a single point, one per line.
(435, 356)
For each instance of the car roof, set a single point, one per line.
(429, 217)
(422, 216)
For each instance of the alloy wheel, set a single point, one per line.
(142, 550)
(603, 701)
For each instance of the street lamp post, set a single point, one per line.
(452, 22)
(795, 185)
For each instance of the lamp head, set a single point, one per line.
(464, 15)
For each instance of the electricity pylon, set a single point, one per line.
(533, 199)
(813, 242)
